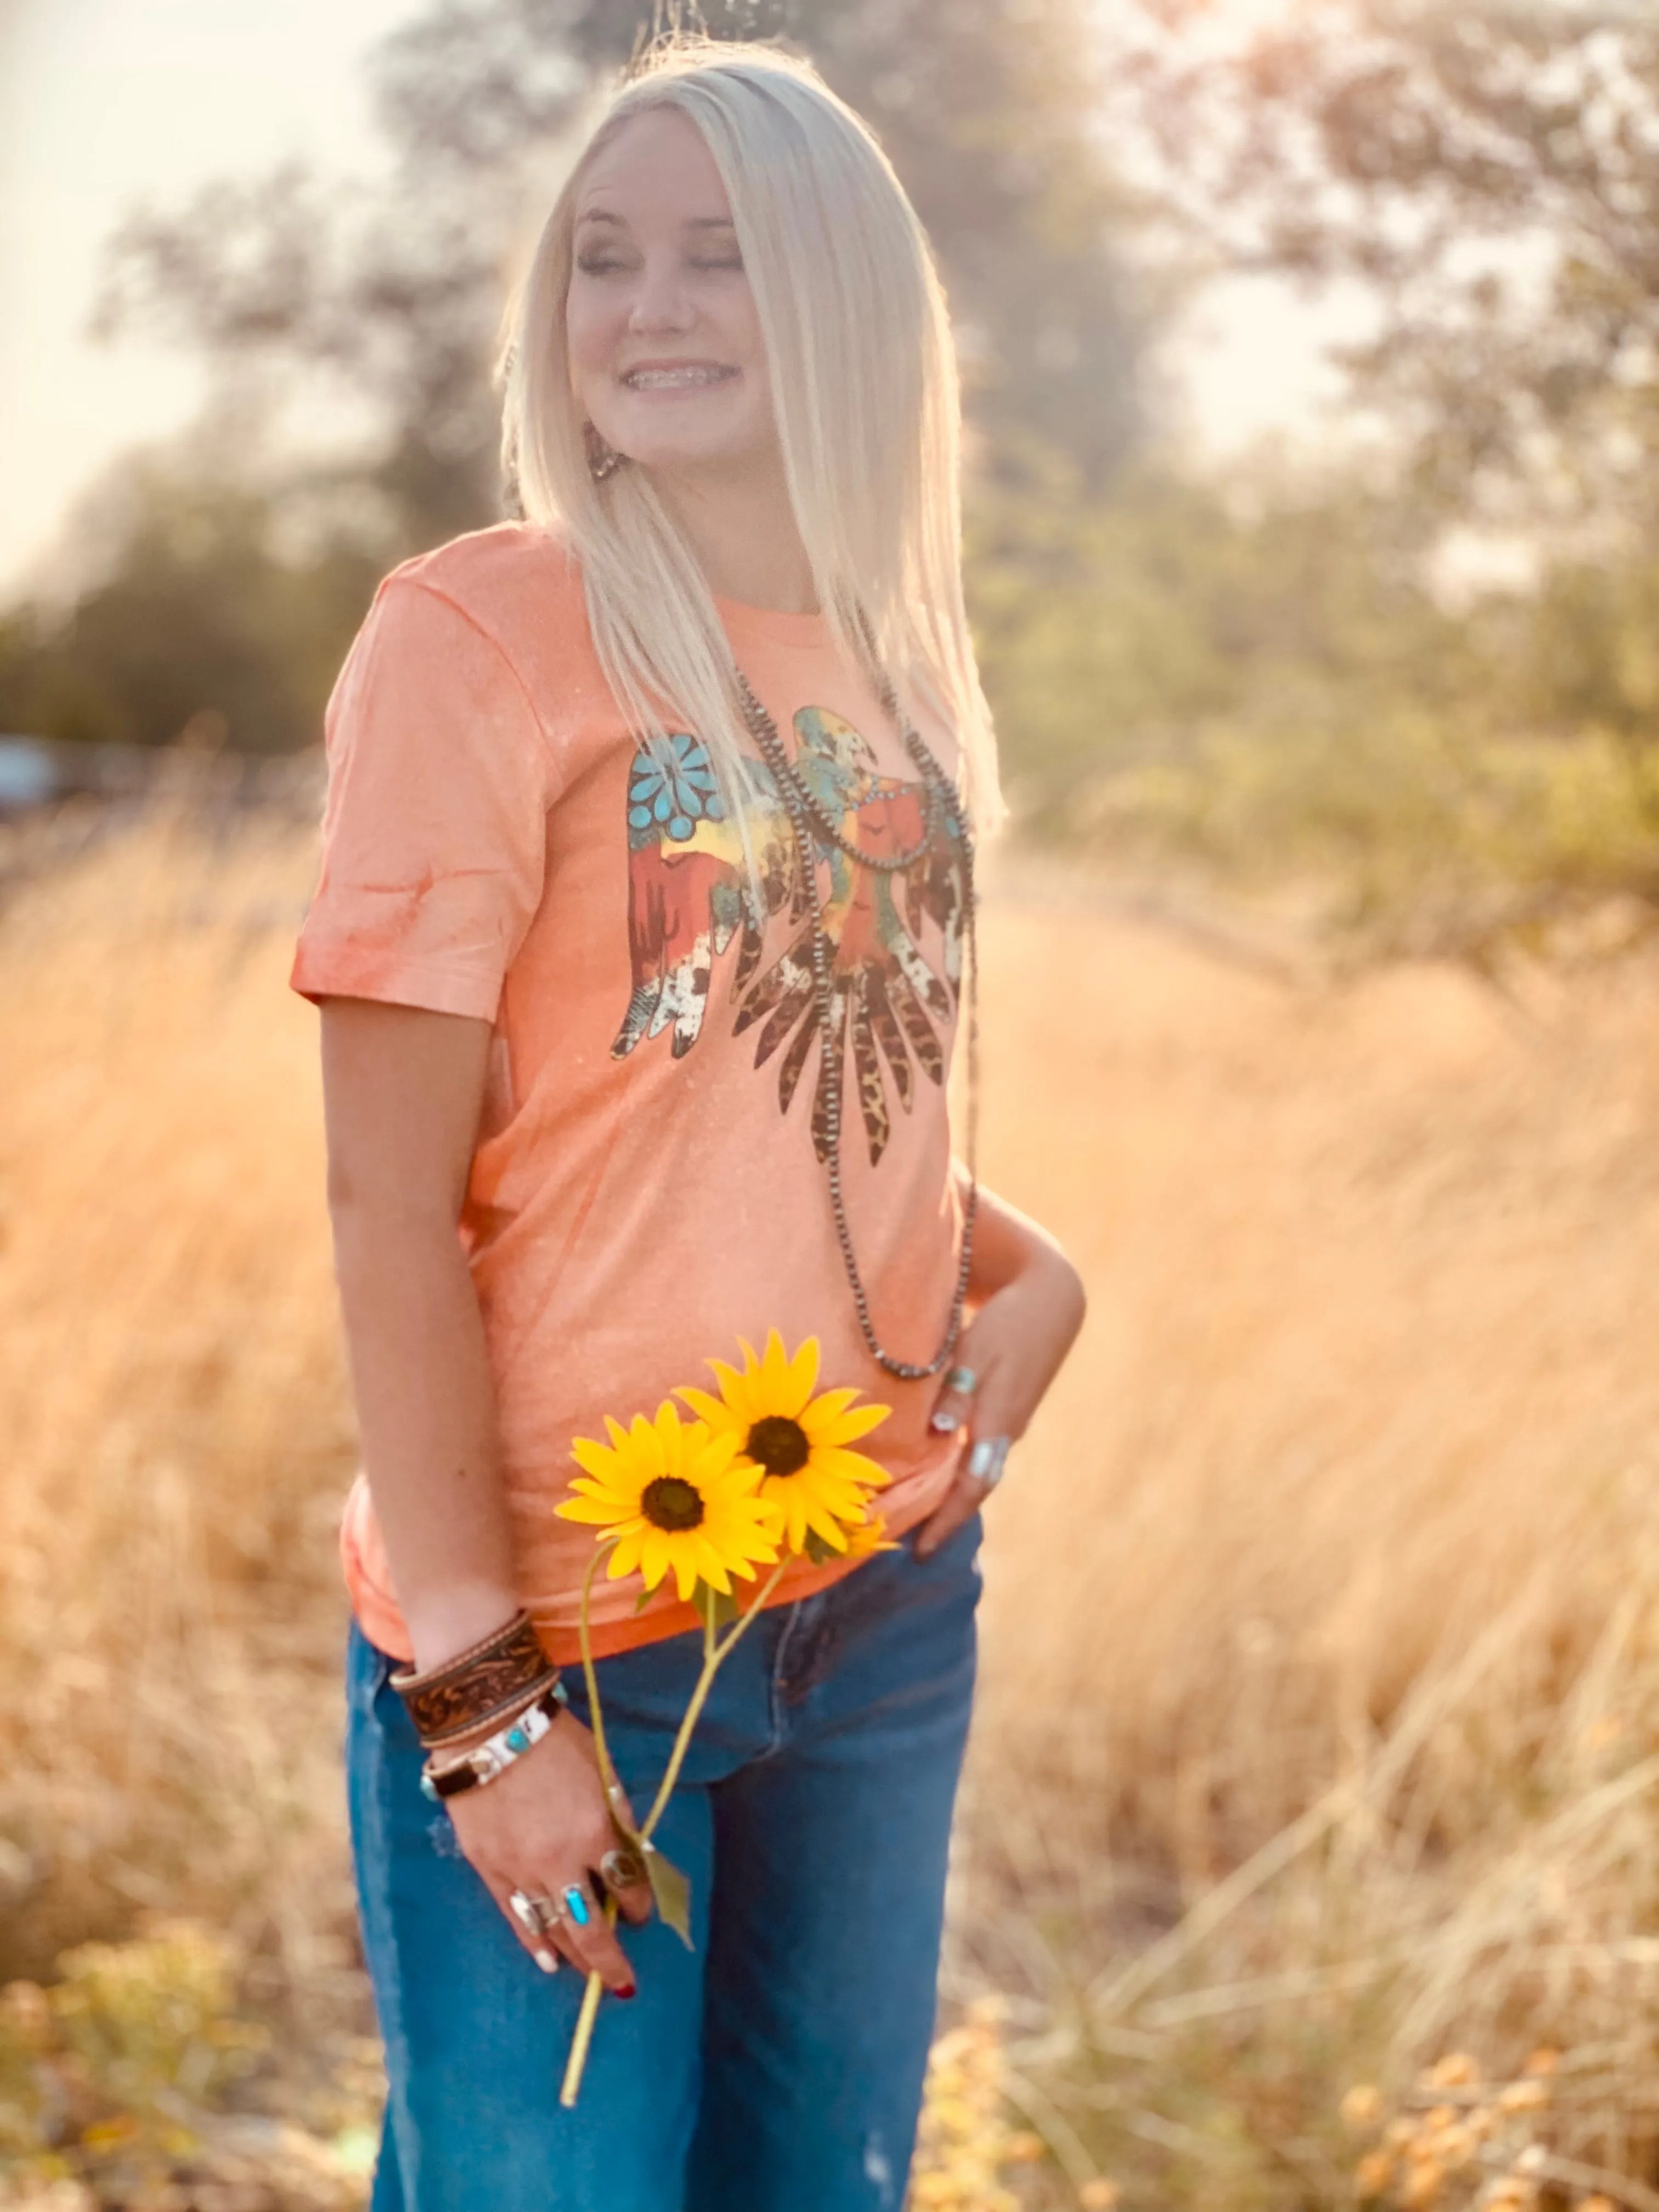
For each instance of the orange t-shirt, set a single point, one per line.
(645, 1188)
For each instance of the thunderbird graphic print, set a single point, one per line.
(690, 897)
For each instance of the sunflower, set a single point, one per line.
(797, 1441)
(673, 1494)
(870, 1536)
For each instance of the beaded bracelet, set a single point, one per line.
(497, 1752)
(487, 1680)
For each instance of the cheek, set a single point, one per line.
(590, 334)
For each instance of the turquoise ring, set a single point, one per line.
(574, 1901)
(963, 1380)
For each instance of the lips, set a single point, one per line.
(677, 375)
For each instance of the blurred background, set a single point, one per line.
(1308, 1851)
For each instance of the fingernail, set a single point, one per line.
(547, 1962)
(629, 1990)
(943, 1424)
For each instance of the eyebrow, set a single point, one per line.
(691, 222)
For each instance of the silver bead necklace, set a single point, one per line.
(814, 825)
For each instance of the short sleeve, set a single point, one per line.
(434, 833)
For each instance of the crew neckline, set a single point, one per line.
(772, 622)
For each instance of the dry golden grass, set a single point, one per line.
(1319, 1733)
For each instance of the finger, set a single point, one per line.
(540, 1946)
(591, 1942)
(953, 1408)
(960, 1504)
(631, 1890)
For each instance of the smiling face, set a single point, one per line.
(666, 357)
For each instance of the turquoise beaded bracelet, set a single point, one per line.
(497, 1752)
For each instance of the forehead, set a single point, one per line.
(657, 165)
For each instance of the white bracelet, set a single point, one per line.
(497, 1752)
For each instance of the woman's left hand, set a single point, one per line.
(1014, 1346)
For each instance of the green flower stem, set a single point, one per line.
(714, 1654)
(576, 2063)
(716, 1657)
(607, 1773)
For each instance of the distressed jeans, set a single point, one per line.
(777, 2067)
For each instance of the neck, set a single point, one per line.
(742, 529)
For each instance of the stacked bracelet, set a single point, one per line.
(497, 1752)
(492, 1679)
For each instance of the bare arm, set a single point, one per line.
(403, 1091)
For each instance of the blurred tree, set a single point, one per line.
(988, 107)
(1489, 169)
(207, 594)
(1110, 631)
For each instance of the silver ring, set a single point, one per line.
(621, 1868)
(987, 1459)
(963, 1380)
(537, 1916)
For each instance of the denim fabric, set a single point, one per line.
(778, 2067)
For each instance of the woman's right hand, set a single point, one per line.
(541, 1826)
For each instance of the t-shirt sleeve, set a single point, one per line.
(434, 833)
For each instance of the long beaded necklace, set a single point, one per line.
(813, 824)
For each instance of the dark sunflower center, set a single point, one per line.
(779, 1445)
(669, 1502)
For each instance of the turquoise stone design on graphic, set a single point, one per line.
(672, 789)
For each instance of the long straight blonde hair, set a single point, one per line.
(865, 392)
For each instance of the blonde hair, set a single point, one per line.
(865, 397)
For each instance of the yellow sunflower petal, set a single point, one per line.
(842, 1428)
(645, 1447)
(854, 1467)
(685, 1563)
(626, 1557)
(715, 1411)
(600, 1512)
(825, 1524)
(654, 1557)
(794, 1515)
(618, 1434)
(800, 1379)
(825, 1407)
(598, 1459)
(713, 1568)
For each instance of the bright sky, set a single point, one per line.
(107, 103)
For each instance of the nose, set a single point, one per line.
(661, 300)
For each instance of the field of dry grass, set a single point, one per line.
(1310, 1822)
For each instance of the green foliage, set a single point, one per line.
(134, 2080)
(1484, 169)
(198, 608)
(106, 2072)
(1258, 683)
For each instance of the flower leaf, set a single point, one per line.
(673, 1893)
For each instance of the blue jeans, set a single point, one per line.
(777, 2067)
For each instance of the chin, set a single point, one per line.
(688, 455)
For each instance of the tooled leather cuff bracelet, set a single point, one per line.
(497, 1752)
(479, 1685)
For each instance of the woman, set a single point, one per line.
(586, 999)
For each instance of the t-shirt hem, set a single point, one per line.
(378, 1616)
(319, 972)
